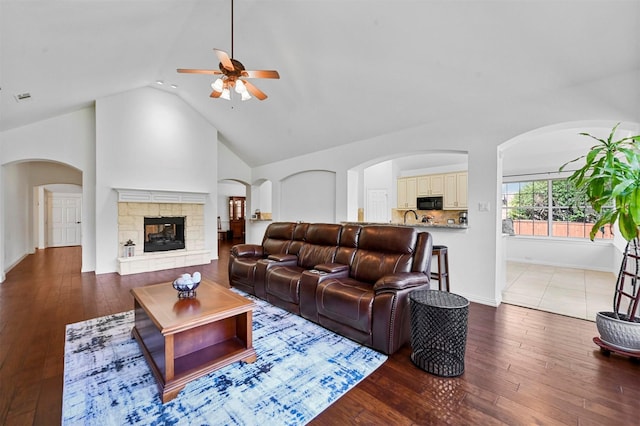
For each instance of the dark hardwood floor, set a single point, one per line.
(522, 366)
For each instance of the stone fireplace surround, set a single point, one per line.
(134, 205)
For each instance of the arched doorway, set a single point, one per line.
(24, 217)
(547, 265)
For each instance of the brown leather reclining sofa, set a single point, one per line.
(352, 279)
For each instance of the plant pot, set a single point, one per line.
(619, 333)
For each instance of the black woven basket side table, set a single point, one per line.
(438, 331)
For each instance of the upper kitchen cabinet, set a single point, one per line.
(407, 193)
(430, 185)
(455, 191)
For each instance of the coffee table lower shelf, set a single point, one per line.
(193, 365)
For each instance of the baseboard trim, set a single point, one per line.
(14, 264)
(559, 265)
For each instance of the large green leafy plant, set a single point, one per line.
(609, 177)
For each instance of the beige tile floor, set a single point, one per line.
(577, 293)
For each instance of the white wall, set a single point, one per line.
(315, 189)
(584, 254)
(263, 199)
(151, 140)
(16, 214)
(230, 166)
(68, 139)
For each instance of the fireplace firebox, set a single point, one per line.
(164, 233)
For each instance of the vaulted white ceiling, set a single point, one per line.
(350, 69)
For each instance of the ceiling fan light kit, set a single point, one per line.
(232, 74)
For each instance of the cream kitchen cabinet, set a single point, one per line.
(407, 193)
(429, 185)
(455, 191)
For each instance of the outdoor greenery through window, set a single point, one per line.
(549, 208)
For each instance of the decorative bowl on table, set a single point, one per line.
(186, 285)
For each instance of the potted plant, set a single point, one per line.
(610, 179)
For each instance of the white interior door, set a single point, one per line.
(65, 216)
(377, 206)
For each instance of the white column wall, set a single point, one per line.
(151, 140)
(17, 214)
(68, 139)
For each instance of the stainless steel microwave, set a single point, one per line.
(429, 203)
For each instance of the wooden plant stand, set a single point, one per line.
(606, 350)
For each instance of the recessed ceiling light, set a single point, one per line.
(174, 86)
(160, 82)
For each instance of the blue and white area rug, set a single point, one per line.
(301, 369)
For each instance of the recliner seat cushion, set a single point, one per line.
(283, 282)
(347, 301)
(244, 270)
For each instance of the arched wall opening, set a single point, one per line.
(537, 155)
(229, 190)
(372, 185)
(315, 188)
(24, 204)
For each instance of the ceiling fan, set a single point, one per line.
(233, 75)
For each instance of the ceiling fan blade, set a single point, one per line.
(254, 90)
(261, 74)
(224, 58)
(197, 71)
(215, 94)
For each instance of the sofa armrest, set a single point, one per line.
(282, 257)
(331, 268)
(401, 281)
(247, 250)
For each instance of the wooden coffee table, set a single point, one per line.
(184, 339)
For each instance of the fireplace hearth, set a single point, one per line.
(183, 244)
(164, 233)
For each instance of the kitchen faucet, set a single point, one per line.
(405, 215)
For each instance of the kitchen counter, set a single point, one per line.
(414, 224)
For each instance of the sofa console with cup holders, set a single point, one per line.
(352, 279)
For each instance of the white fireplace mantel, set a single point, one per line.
(147, 196)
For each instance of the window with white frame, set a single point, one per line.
(549, 208)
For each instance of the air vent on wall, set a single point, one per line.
(21, 97)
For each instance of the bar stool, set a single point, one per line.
(442, 260)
